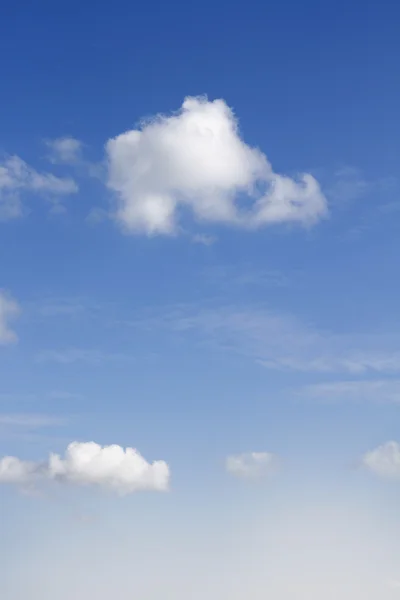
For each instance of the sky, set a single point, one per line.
(199, 336)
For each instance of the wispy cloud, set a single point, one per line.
(68, 150)
(84, 355)
(252, 465)
(9, 310)
(279, 341)
(28, 399)
(62, 307)
(204, 239)
(63, 395)
(68, 307)
(375, 390)
(28, 427)
(64, 150)
(245, 275)
(348, 184)
(30, 421)
(373, 198)
(17, 178)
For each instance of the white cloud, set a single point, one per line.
(9, 310)
(196, 160)
(251, 465)
(17, 177)
(86, 463)
(13, 470)
(384, 461)
(65, 150)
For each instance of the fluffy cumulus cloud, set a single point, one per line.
(196, 160)
(65, 150)
(17, 177)
(86, 463)
(251, 465)
(384, 460)
(9, 310)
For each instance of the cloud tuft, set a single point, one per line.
(251, 465)
(66, 150)
(16, 177)
(196, 160)
(384, 460)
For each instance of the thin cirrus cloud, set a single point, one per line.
(15, 398)
(384, 461)
(18, 178)
(112, 468)
(251, 465)
(349, 184)
(90, 356)
(196, 160)
(373, 390)
(9, 310)
(30, 421)
(62, 307)
(276, 341)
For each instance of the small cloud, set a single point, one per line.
(384, 460)
(204, 239)
(68, 150)
(86, 463)
(13, 470)
(65, 150)
(97, 215)
(9, 310)
(17, 177)
(251, 465)
(195, 159)
(348, 184)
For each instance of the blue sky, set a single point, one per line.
(172, 282)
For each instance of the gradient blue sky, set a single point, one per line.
(217, 341)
